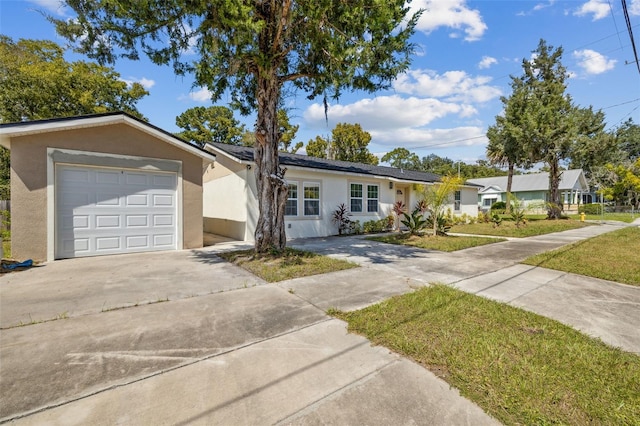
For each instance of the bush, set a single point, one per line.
(443, 225)
(415, 221)
(341, 216)
(374, 226)
(594, 209)
(355, 227)
(498, 207)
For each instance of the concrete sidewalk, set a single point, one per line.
(232, 353)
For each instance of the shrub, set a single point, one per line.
(484, 217)
(594, 209)
(355, 227)
(341, 216)
(374, 226)
(415, 221)
(498, 207)
(496, 219)
(443, 224)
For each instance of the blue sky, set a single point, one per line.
(451, 94)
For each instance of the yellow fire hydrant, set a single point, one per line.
(582, 216)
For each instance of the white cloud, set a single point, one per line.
(598, 8)
(537, 7)
(486, 62)
(412, 138)
(451, 14)
(53, 6)
(593, 62)
(145, 82)
(202, 95)
(452, 85)
(634, 8)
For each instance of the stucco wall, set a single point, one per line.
(29, 180)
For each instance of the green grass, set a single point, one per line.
(290, 264)
(613, 256)
(440, 243)
(622, 217)
(508, 228)
(519, 367)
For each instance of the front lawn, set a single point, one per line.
(290, 264)
(621, 217)
(614, 256)
(508, 228)
(519, 367)
(440, 243)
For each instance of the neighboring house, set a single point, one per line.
(102, 184)
(316, 188)
(532, 189)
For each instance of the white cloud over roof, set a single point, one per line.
(453, 14)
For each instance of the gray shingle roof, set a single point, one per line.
(246, 154)
(531, 182)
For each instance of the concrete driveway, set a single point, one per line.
(199, 341)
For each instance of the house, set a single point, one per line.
(102, 184)
(532, 189)
(316, 188)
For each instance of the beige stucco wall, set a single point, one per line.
(29, 180)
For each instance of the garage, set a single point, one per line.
(108, 211)
(102, 184)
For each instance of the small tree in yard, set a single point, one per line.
(438, 195)
(342, 218)
(253, 50)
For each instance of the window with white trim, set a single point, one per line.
(355, 197)
(311, 193)
(372, 198)
(457, 200)
(291, 208)
(363, 197)
(488, 202)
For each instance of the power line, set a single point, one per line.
(633, 43)
(615, 24)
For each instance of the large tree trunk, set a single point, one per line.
(272, 188)
(554, 209)
(509, 183)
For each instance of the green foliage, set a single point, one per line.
(628, 139)
(210, 124)
(402, 158)
(355, 228)
(318, 147)
(498, 207)
(496, 219)
(287, 133)
(622, 183)
(375, 226)
(342, 218)
(44, 85)
(5, 225)
(414, 221)
(593, 209)
(442, 226)
(437, 195)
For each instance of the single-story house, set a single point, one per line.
(532, 189)
(316, 188)
(102, 184)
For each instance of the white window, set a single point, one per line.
(311, 199)
(488, 202)
(457, 198)
(372, 198)
(291, 208)
(363, 197)
(356, 197)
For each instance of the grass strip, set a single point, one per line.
(292, 263)
(519, 367)
(613, 256)
(509, 229)
(440, 243)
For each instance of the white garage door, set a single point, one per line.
(107, 211)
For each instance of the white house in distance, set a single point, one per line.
(532, 189)
(316, 188)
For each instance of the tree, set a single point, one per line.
(593, 147)
(38, 83)
(318, 147)
(628, 139)
(548, 122)
(439, 165)
(349, 143)
(402, 158)
(210, 124)
(251, 50)
(622, 183)
(506, 145)
(288, 133)
(438, 195)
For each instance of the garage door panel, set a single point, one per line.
(108, 211)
